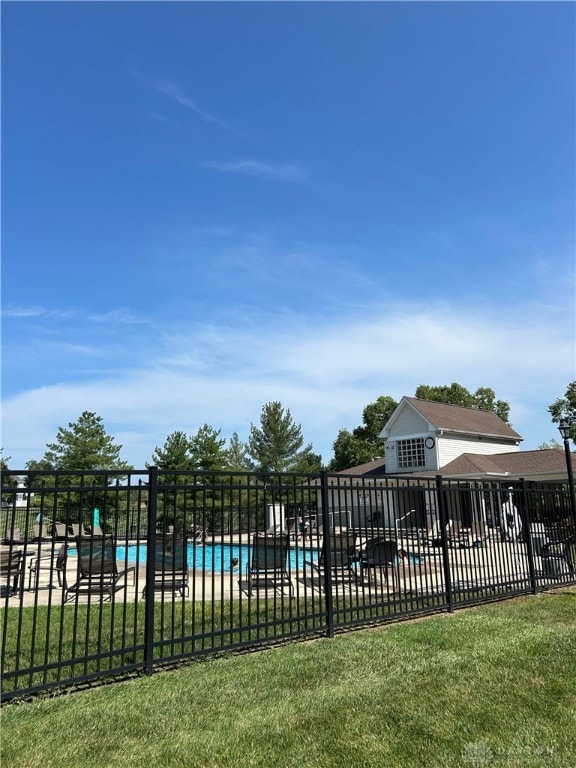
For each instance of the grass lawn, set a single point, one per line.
(494, 686)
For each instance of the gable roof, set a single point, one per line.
(456, 418)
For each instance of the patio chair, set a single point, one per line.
(457, 535)
(343, 558)
(14, 536)
(269, 563)
(380, 556)
(557, 559)
(12, 571)
(60, 531)
(171, 566)
(98, 573)
(54, 563)
(41, 532)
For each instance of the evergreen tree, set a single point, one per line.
(83, 446)
(275, 445)
(237, 455)
(175, 454)
(208, 450)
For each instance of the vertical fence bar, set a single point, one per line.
(444, 542)
(149, 591)
(328, 600)
(529, 547)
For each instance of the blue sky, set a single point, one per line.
(209, 206)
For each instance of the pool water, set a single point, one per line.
(412, 559)
(216, 557)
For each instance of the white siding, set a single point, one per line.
(409, 423)
(407, 426)
(392, 468)
(450, 448)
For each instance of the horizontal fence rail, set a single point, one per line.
(107, 574)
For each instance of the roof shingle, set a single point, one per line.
(456, 418)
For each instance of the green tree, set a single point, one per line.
(547, 446)
(364, 443)
(237, 455)
(309, 462)
(83, 446)
(176, 453)
(276, 445)
(455, 394)
(208, 450)
(4, 462)
(7, 480)
(349, 451)
(565, 408)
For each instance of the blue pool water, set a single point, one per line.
(216, 557)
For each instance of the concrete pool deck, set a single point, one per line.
(496, 562)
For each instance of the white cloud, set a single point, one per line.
(251, 167)
(175, 92)
(222, 375)
(121, 316)
(18, 312)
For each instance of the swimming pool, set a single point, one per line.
(216, 557)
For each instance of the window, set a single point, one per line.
(411, 453)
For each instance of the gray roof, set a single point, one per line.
(456, 418)
(374, 468)
(551, 461)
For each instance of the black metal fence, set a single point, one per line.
(107, 574)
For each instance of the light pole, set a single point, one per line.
(565, 428)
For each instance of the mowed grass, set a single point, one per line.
(494, 685)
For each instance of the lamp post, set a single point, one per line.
(565, 428)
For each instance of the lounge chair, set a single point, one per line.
(457, 536)
(12, 570)
(98, 572)
(171, 566)
(41, 532)
(60, 531)
(343, 557)
(14, 536)
(269, 563)
(380, 556)
(54, 563)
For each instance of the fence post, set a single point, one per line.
(149, 590)
(444, 542)
(326, 554)
(527, 528)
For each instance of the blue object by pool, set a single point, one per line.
(412, 559)
(215, 557)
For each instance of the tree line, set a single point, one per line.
(276, 444)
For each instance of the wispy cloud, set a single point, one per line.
(119, 316)
(176, 93)
(157, 117)
(251, 167)
(17, 312)
(325, 373)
